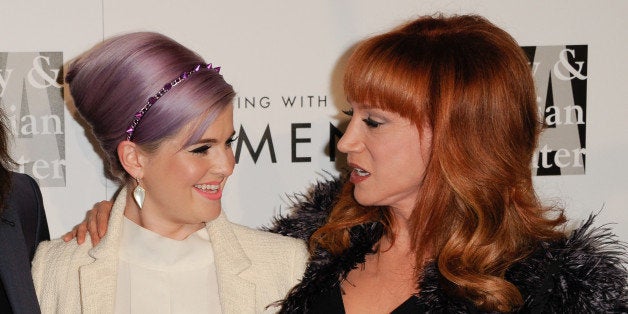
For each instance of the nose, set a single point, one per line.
(224, 162)
(349, 142)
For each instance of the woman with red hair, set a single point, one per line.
(439, 213)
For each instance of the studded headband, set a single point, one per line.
(153, 99)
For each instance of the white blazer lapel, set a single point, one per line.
(237, 294)
(98, 280)
(98, 286)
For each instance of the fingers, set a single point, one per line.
(70, 235)
(81, 230)
(95, 223)
(75, 233)
(102, 217)
(88, 226)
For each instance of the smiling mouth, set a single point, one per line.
(210, 188)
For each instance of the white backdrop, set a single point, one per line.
(276, 50)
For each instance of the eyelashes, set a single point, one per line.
(231, 140)
(204, 148)
(368, 120)
(201, 149)
(371, 123)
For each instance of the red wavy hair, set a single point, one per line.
(477, 212)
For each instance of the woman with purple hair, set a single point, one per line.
(163, 118)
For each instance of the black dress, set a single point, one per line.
(581, 273)
(330, 302)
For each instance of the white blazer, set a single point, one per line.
(254, 268)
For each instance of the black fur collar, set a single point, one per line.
(582, 273)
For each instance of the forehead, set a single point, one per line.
(381, 104)
(371, 108)
(360, 104)
(216, 125)
(203, 128)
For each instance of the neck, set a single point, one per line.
(401, 239)
(401, 227)
(147, 219)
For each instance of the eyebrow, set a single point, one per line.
(210, 140)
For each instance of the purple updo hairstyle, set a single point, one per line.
(112, 81)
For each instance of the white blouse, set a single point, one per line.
(161, 275)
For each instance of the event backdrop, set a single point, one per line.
(285, 61)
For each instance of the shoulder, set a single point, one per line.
(23, 185)
(276, 262)
(24, 188)
(264, 241)
(279, 256)
(584, 272)
(57, 253)
(20, 178)
(56, 274)
(55, 261)
(24, 195)
(25, 206)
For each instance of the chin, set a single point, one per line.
(207, 215)
(212, 216)
(364, 201)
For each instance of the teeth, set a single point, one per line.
(207, 187)
(361, 172)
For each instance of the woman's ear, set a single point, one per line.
(131, 157)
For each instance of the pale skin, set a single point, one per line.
(387, 278)
(390, 155)
(175, 206)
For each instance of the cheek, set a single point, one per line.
(187, 170)
(416, 166)
(232, 161)
(403, 159)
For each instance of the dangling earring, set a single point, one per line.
(139, 194)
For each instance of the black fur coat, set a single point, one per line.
(582, 273)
